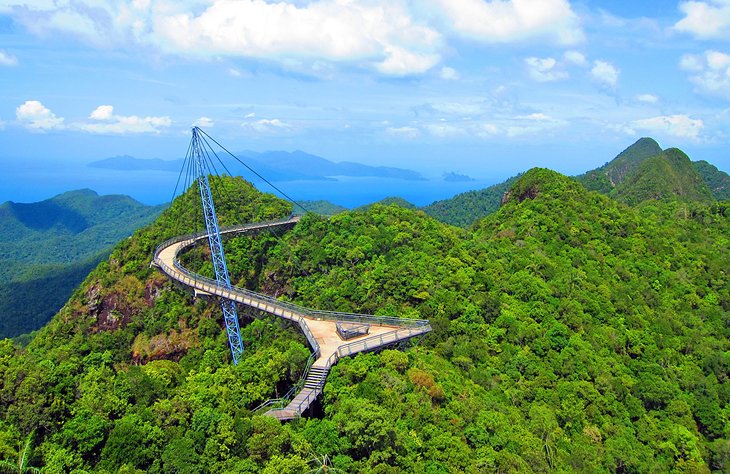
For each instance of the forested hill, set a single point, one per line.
(641, 172)
(466, 208)
(667, 176)
(718, 181)
(48, 247)
(613, 173)
(571, 333)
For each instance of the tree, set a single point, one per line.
(24, 456)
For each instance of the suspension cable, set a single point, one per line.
(254, 171)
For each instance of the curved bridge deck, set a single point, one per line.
(320, 327)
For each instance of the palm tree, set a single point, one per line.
(24, 454)
(322, 465)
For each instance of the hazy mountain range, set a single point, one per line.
(273, 165)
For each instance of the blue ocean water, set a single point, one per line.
(29, 182)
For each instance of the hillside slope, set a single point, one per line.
(668, 175)
(718, 181)
(571, 333)
(465, 209)
(613, 173)
(48, 247)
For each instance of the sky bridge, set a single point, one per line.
(331, 335)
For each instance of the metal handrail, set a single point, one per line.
(291, 311)
(293, 307)
(316, 314)
(228, 230)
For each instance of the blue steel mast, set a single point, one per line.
(216, 247)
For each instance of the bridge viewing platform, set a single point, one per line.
(323, 329)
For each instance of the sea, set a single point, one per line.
(32, 182)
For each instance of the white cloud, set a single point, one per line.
(204, 122)
(108, 123)
(103, 112)
(531, 124)
(537, 116)
(705, 19)
(691, 62)
(710, 72)
(409, 133)
(605, 73)
(402, 62)
(7, 59)
(576, 58)
(544, 69)
(681, 126)
(268, 126)
(513, 20)
(487, 130)
(445, 130)
(381, 34)
(35, 115)
(233, 72)
(448, 74)
(647, 98)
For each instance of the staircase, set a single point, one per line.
(316, 377)
(312, 388)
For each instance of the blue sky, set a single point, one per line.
(485, 88)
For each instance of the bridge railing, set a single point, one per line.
(227, 230)
(294, 308)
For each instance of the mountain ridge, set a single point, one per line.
(48, 247)
(553, 319)
(275, 165)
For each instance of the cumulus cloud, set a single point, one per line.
(647, 98)
(267, 126)
(681, 126)
(513, 20)
(705, 19)
(448, 74)
(393, 37)
(605, 73)
(105, 121)
(380, 33)
(204, 122)
(446, 130)
(544, 69)
(409, 133)
(103, 112)
(710, 72)
(576, 58)
(401, 62)
(35, 115)
(7, 59)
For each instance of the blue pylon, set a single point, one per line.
(216, 247)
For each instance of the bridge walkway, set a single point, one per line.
(318, 326)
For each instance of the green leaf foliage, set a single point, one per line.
(668, 175)
(48, 247)
(465, 209)
(572, 333)
(613, 173)
(718, 181)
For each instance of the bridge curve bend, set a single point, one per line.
(323, 329)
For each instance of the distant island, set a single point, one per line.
(274, 165)
(456, 177)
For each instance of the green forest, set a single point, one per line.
(47, 248)
(573, 332)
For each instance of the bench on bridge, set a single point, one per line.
(348, 331)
